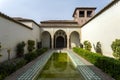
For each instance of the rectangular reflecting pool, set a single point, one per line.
(59, 67)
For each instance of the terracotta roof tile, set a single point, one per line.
(21, 19)
(59, 22)
(25, 20)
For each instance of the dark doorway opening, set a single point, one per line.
(60, 42)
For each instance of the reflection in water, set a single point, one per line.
(59, 67)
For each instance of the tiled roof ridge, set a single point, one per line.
(21, 18)
(57, 21)
(25, 19)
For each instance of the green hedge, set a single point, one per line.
(32, 55)
(109, 65)
(9, 67)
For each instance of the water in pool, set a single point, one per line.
(59, 67)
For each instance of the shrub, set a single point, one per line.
(109, 65)
(9, 67)
(87, 45)
(20, 49)
(98, 48)
(41, 51)
(30, 56)
(20, 62)
(31, 45)
(116, 48)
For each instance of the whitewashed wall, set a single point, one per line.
(104, 28)
(30, 24)
(11, 34)
(36, 33)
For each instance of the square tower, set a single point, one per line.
(83, 14)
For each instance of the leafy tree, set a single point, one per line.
(20, 49)
(116, 48)
(98, 48)
(87, 45)
(31, 45)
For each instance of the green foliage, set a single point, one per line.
(116, 48)
(109, 65)
(98, 48)
(41, 51)
(7, 68)
(20, 49)
(32, 55)
(20, 62)
(87, 45)
(31, 45)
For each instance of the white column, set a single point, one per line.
(80, 36)
(67, 41)
(52, 41)
(55, 41)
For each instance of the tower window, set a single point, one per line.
(81, 14)
(89, 13)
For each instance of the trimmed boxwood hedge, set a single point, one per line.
(109, 65)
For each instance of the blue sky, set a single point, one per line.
(40, 10)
